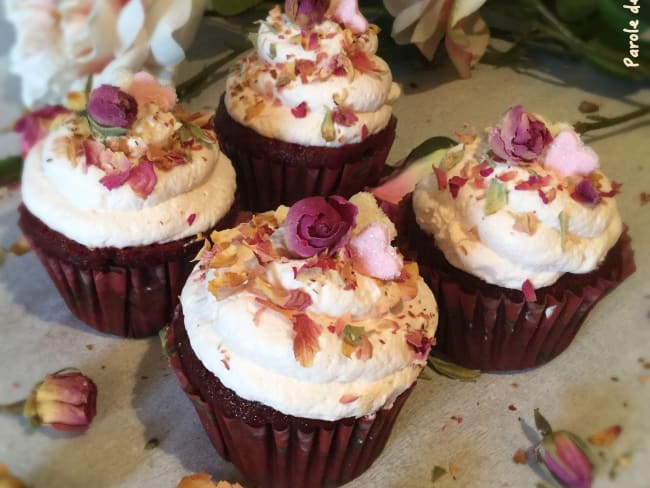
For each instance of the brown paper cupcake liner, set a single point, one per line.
(487, 327)
(272, 172)
(272, 449)
(128, 292)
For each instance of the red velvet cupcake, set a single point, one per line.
(114, 198)
(299, 337)
(518, 235)
(308, 113)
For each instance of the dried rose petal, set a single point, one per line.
(528, 290)
(420, 344)
(586, 194)
(111, 107)
(314, 225)
(143, 178)
(520, 137)
(300, 110)
(34, 125)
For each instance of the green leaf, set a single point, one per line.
(105, 131)
(232, 7)
(428, 148)
(542, 424)
(496, 197)
(352, 334)
(437, 473)
(327, 127)
(10, 169)
(273, 52)
(451, 370)
(564, 227)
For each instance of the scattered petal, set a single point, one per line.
(606, 436)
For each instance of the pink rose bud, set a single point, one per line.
(565, 459)
(520, 137)
(111, 107)
(565, 455)
(314, 225)
(306, 13)
(66, 400)
(35, 125)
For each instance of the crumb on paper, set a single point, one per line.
(643, 379)
(606, 436)
(453, 470)
(512, 407)
(519, 457)
(90, 347)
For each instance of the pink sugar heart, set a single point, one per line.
(569, 156)
(373, 255)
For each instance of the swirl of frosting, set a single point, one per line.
(320, 87)
(73, 196)
(507, 223)
(342, 344)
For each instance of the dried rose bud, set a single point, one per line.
(306, 13)
(34, 125)
(562, 454)
(111, 107)
(520, 137)
(66, 400)
(314, 225)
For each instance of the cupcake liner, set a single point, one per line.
(127, 292)
(271, 173)
(486, 327)
(288, 453)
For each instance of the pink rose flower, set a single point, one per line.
(315, 224)
(425, 22)
(111, 107)
(306, 13)
(562, 455)
(66, 400)
(520, 137)
(59, 44)
(35, 125)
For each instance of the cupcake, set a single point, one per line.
(309, 111)
(518, 235)
(114, 197)
(298, 338)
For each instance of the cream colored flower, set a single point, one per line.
(425, 22)
(60, 42)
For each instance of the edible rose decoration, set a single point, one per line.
(564, 454)
(111, 107)
(306, 13)
(425, 22)
(35, 125)
(315, 224)
(65, 400)
(520, 137)
(58, 44)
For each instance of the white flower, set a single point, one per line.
(425, 22)
(60, 42)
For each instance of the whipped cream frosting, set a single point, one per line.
(64, 192)
(538, 232)
(250, 347)
(315, 73)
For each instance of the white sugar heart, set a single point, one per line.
(569, 156)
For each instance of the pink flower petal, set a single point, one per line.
(115, 180)
(300, 110)
(145, 89)
(92, 151)
(569, 156)
(372, 254)
(529, 291)
(347, 13)
(34, 125)
(143, 178)
(190, 218)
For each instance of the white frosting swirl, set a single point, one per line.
(369, 95)
(501, 254)
(250, 348)
(68, 197)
